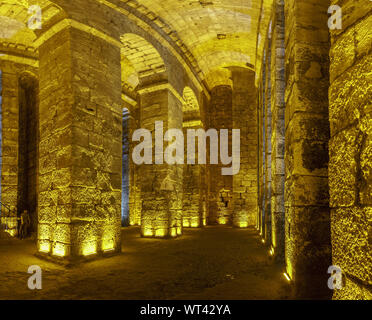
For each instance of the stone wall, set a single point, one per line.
(277, 130)
(350, 169)
(308, 245)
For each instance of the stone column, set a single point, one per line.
(350, 167)
(10, 128)
(220, 187)
(261, 151)
(244, 116)
(135, 203)
(278, 131)
(193, 186)
(308, 249)
(267, 168)
(160, 184)
(125, 180)
(80, 144)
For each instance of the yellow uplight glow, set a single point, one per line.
(160, 233)
(59, 250)
(195, 224)
(287, 276)
(148, 233)
(12, 232)
(173, 232)
(222, 220)
(179, 231)
(108, 245)
(243, 224)
(186, 224)
(89, 249)
(45, 247)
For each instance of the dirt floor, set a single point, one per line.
(210, 263)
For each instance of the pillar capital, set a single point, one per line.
(160, 86)
(67, 23)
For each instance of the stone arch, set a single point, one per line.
(219, 77)
(15, 17)
(142, 57)
(191, 103)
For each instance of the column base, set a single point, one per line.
(69, 261)
(161, 233)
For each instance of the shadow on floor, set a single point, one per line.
(210, 263)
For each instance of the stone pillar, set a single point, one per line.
(204, 178)
(308, 250)
(80, 144)
(161, 184)
(193, 186)
(261, 150)
(10, 127)
(278, 131)
(244, 116)
(125, 180)
(220, 187)
(267, 168)
(135, 203)
(350, 167)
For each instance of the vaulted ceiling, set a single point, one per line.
(218, 33)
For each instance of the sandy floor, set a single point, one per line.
(210, 263)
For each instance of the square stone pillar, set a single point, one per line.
(135, 202)
(244, 118)
(80, 145)
(9, 147)
(267, 144)
(160, 184)
(278, 131)
(220, 186)
(308, 249)
(193, 207)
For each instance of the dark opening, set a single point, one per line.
(28, 148)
